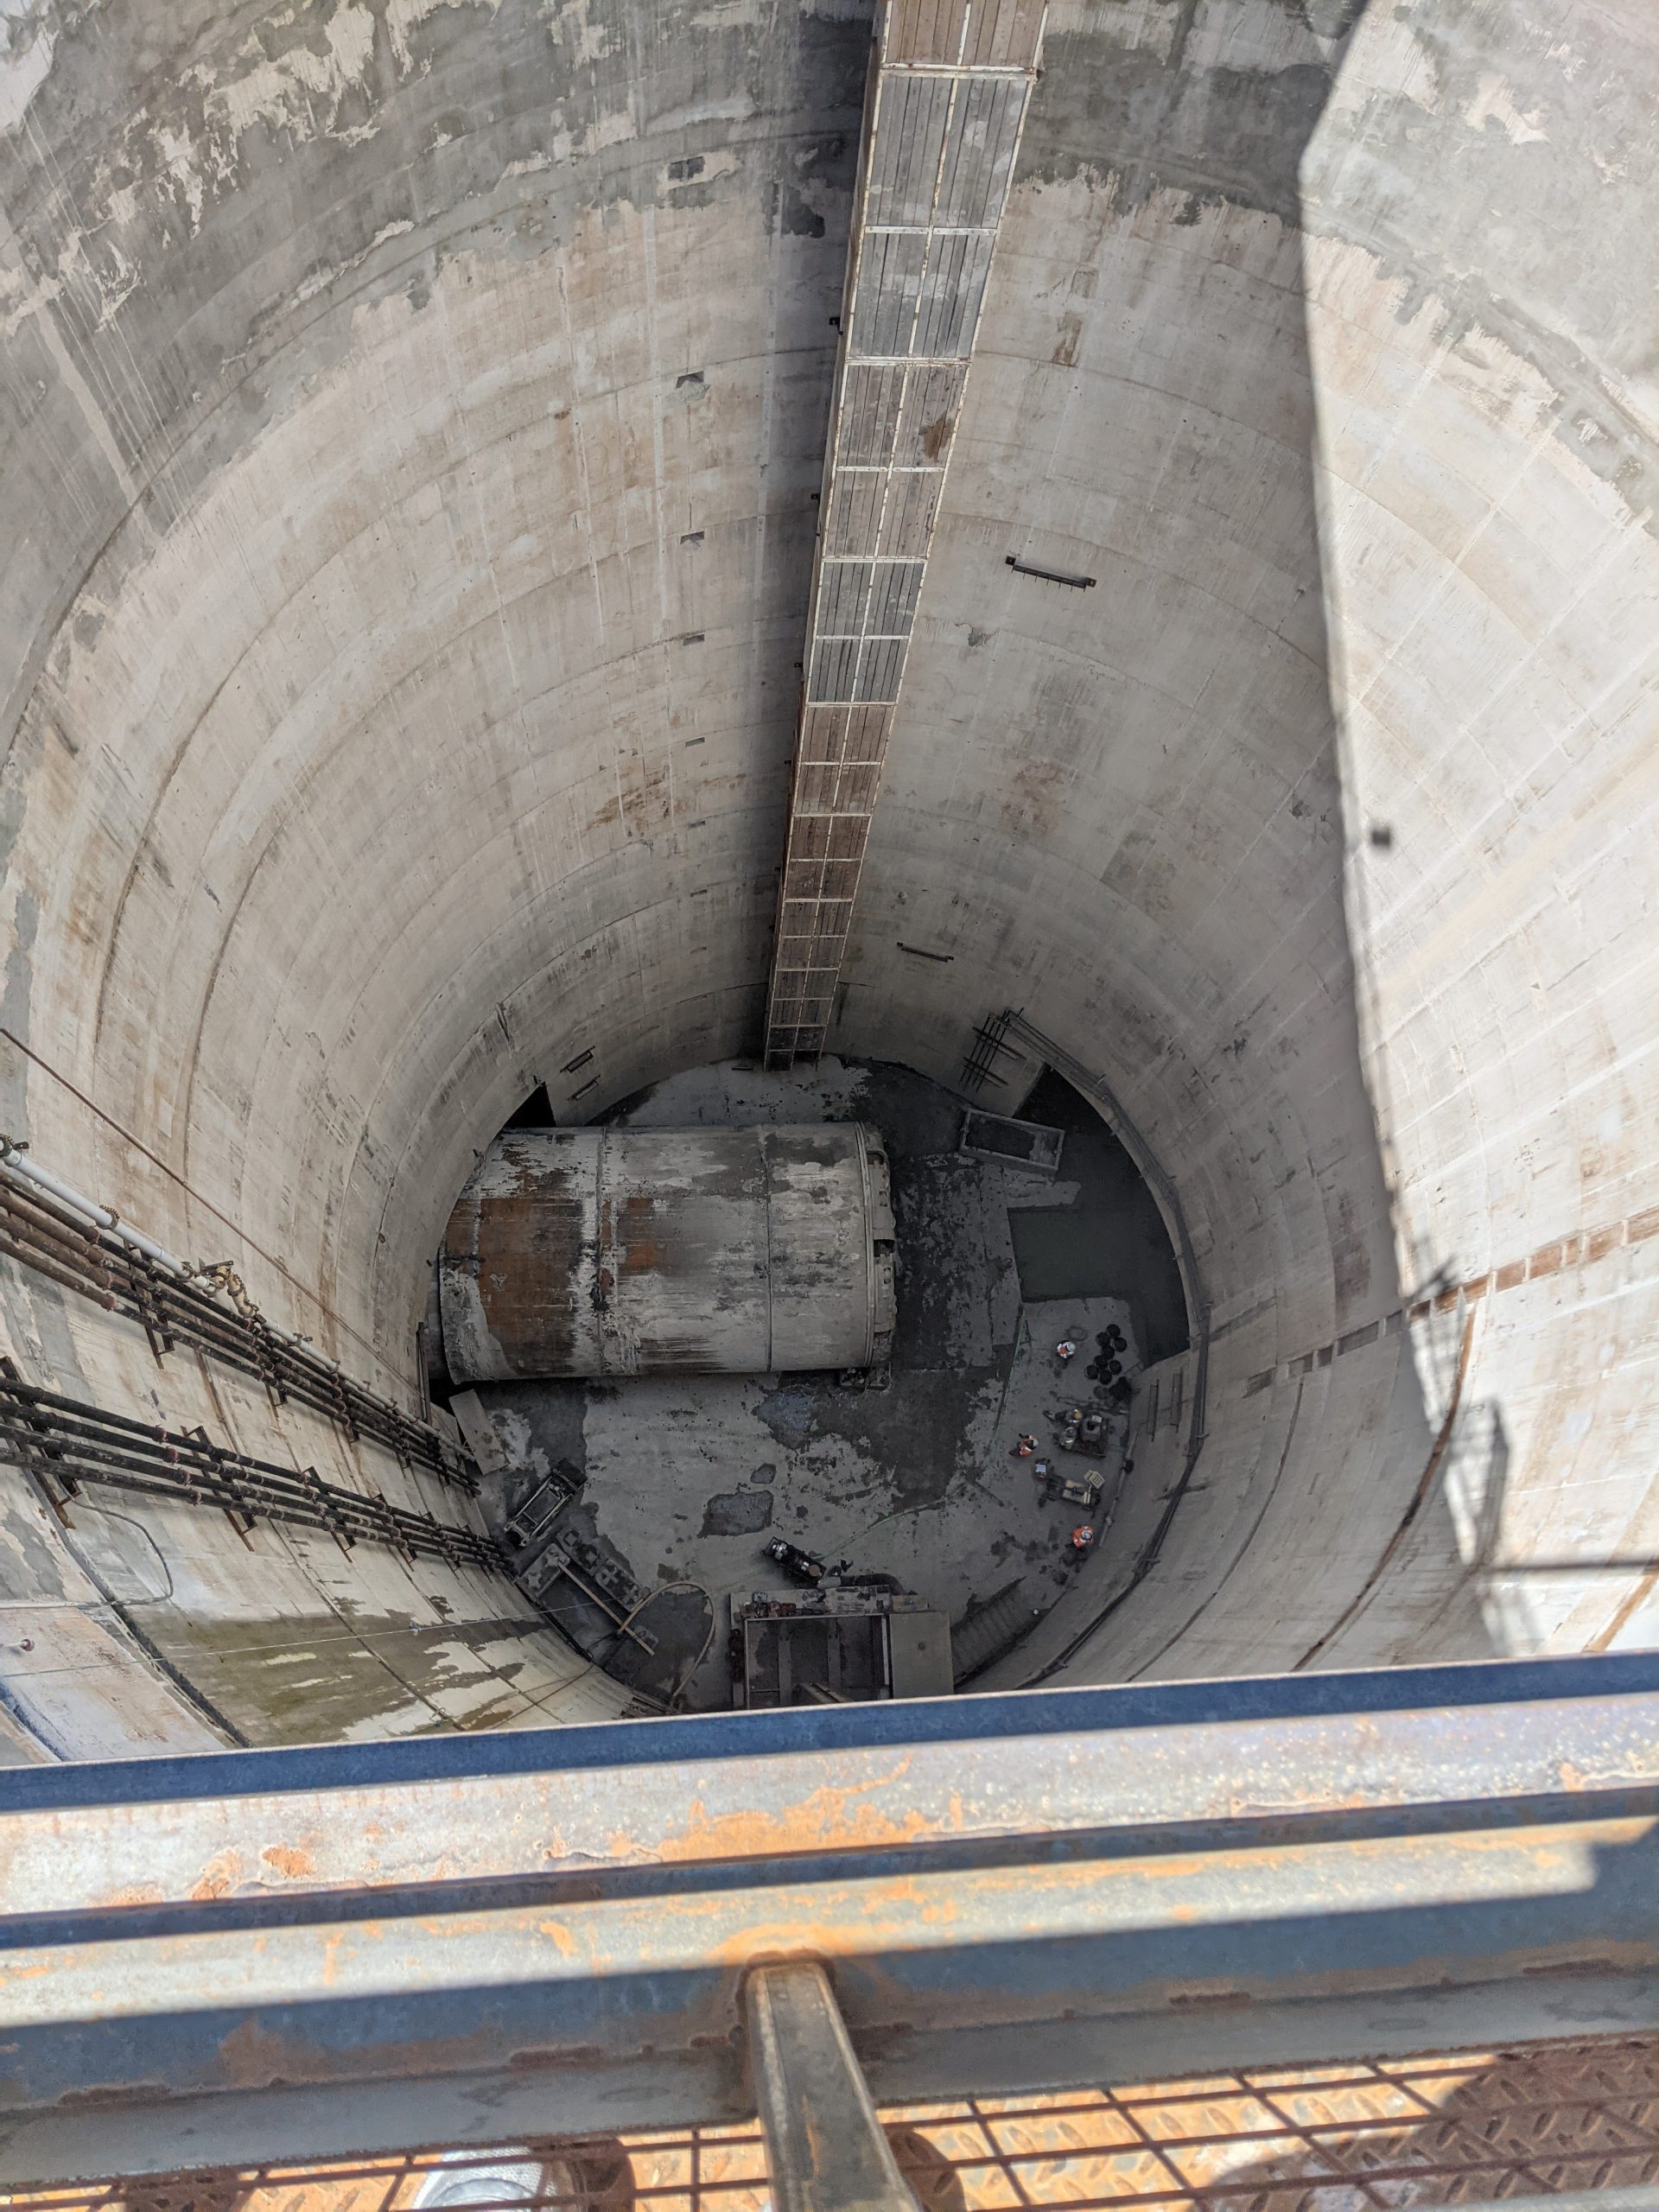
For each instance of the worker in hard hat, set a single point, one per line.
(1083, 1538)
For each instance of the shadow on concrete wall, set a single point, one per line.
(1214, 126)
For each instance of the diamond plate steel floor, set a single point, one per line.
(1449, 2128)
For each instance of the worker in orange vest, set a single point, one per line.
(1083, 1538)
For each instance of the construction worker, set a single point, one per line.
(1040, 1470)
(1065, 1350)
(1025, 1447)
(1083, 1538)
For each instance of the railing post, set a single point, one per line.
(825, 2148)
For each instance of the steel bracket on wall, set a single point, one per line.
(47, 1225)
(290, 1953)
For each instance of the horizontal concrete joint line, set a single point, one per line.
(964, 73)
(930, 230)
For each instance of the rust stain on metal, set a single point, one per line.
(827, 1819)
(289, 1858)
(644, 1250)
(222, 1875)
(253, 2057)
(936, 435)
(597, 1252)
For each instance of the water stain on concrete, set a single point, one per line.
(736, 1513)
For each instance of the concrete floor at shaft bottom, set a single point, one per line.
(685, 1479)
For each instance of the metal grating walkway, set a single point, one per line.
(1450, 2128)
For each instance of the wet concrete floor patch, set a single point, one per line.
(737, 1513)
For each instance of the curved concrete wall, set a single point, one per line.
(1319, 826)
(417, 413)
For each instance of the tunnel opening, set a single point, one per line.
(1113, 1241)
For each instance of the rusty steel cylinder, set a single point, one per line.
(617, 1252)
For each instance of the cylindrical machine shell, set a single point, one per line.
(613, 1252)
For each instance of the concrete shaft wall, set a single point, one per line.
(1323, 337)
(414, 413)
(409, 421)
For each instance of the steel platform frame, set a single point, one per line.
(248, 1955)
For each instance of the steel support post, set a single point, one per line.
(825, 2150)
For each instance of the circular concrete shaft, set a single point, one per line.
(411, 422)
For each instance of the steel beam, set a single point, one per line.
(296, 1953)
(70, 1446)
(46, 1224)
